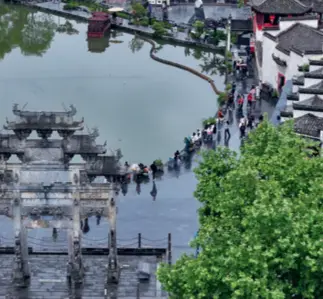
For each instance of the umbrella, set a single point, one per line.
(115, 9)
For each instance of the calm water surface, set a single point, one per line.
(142, 106)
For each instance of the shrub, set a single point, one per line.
(144, 22)
(138, 10)
(198, 29)
(222, 98)
(234, 38)
(159, 163)
(221, 35)
(159, 29)
(228, 87)
(123, 15)
(70, 6)
(209, 121)
(304, 68)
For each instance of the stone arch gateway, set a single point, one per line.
(46, 183)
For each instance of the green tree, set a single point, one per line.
(261, 223)
(138, 10)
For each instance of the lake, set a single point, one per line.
(139, 105)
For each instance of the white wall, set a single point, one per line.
(269, 67)
(295, 88)
(285, 24)
(299, 113)
(310, 81)
(315, 67)
(305, 96)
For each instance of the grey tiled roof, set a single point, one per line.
(317, 74)
(309, 125)
(298, 80)
(313, 89)
(314, 103)
(282, 7)
(316, 62)
(316, 4)
(301, 38)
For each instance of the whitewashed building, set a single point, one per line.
(274, 16)
(305, 102)
(286, 51)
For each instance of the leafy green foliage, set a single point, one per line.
(222, 98)
(241, 3)
(198, 29)
(159, 163)
(261, 223)
(159, 29)
(138, 10)
(209, 121)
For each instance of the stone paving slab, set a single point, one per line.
(48, 278)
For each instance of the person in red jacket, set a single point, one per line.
(249, 98)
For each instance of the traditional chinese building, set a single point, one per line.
(289, 48)
(274, 17)
(45, 183)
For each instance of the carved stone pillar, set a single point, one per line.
(113, 264)
(21, 272)
(75, 271)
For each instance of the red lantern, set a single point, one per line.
(272, 18)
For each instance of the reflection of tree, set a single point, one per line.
(136, 44)
(37, 34)
(212, 63)
(67, 28)
(30, 31)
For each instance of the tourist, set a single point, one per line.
(233, 88)
(153, 168)
(194, 138)
(220, 115)
(177, 156)
(175, 30)
(258, 92)
(214, 129)
(249, 99)
(251, 120)
(165, 12)
(227, 134)
(242, 127)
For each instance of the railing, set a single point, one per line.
(52, 245)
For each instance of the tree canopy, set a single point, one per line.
(261, 223)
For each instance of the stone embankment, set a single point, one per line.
(180, 66)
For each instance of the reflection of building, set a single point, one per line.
(98, 45)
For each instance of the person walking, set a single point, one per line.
(227, 134)
(153, 168)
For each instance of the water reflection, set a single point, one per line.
(99, 45)
(212, 62)
(136, 44)
(32, 32)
